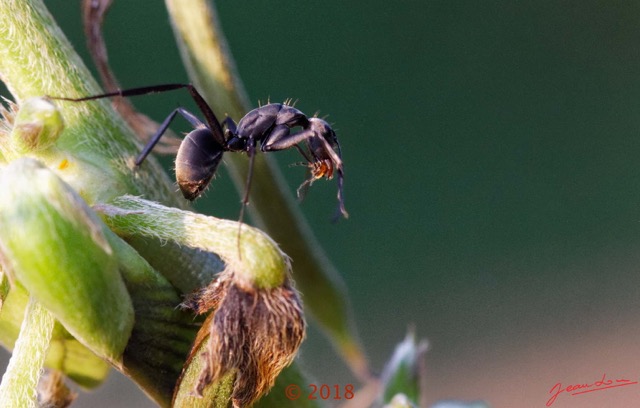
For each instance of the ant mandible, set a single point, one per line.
(201, 150)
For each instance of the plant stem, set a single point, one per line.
(19, 382)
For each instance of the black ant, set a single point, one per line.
(201, 150)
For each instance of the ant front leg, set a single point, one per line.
(325, 158)
(281, 138)
(251, 152)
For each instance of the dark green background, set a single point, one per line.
(491, 175)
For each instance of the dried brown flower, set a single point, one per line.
(254, 332)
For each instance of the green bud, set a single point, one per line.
(54, 245)
(404, 373)
(37, 125)
(255, 333)
(400, 401)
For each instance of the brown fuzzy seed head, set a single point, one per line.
(255, 333)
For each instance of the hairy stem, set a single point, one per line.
(23, 372)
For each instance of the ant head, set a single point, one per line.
(325, 135)
(325, 150)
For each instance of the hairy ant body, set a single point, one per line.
(270, 126)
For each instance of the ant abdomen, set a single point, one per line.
(196, 162)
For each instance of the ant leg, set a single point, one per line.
(195, 122)
(278, 140)
(341, 210)
(191, 118)
(281, 138)
(230, 125)
(301, 192)
(231, 128)
(206, 110)
(251, 152)
(335, 157)
(145, 90)
(303, 153)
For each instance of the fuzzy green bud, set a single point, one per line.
(37, 126)
(53, 244)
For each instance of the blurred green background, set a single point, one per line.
(492, 177)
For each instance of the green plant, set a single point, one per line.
(98, 272)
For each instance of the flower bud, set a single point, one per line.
(36, 126)
(404, 373)
(54, 245)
